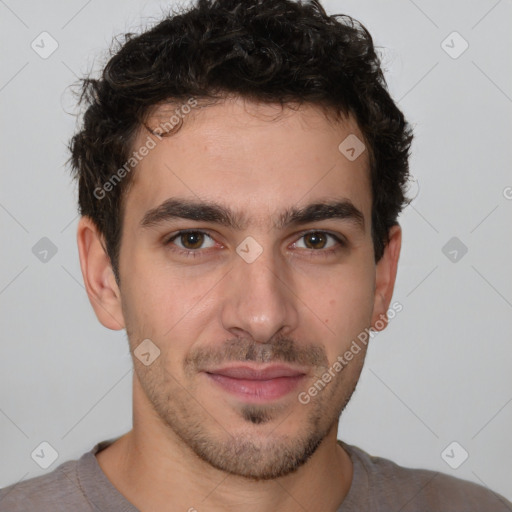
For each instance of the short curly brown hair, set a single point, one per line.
(275, 51)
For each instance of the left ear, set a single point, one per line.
(385, 276)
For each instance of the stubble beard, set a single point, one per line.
(247, 453)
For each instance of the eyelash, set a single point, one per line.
(197, 252)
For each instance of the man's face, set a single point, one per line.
(248, 316)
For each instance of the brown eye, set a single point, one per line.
(315, 240)
(320, 243)
(191, 240)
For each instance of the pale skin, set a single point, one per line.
(234, 155)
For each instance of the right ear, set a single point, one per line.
(98, 275)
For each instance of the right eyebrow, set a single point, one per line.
(192, 210)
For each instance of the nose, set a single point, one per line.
(259, 300)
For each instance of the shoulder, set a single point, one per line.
(415, 490)
(56, 491)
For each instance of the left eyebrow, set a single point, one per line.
(315, 212)
(207, 211)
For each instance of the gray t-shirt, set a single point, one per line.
(378, 485)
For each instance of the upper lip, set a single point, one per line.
(257, 373)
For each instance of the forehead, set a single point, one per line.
(251, 157)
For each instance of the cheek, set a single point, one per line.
(168, 307)
(345, 308)
(157, 289)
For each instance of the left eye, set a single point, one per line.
(318, 240)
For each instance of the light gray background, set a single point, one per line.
(440, 373)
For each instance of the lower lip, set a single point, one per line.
(257, 390)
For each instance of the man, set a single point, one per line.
(241, 168)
